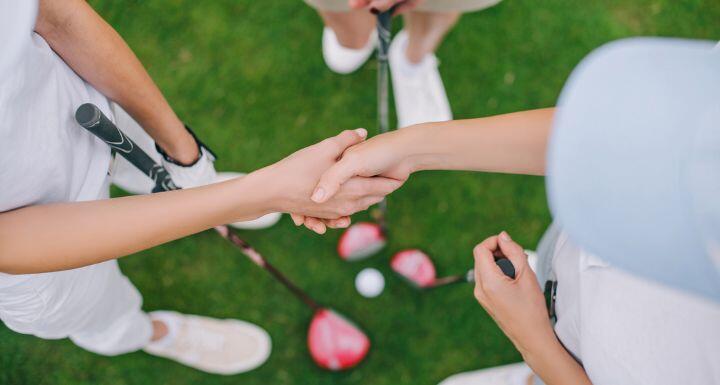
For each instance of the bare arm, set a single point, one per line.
(511, 143)
(62, 236)
(518, 307)
(68, 235)
(99, 55)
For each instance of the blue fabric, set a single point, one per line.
(634, 160)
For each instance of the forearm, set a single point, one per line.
(512, 143)
(555, 366)
(99, 55)
(62, 236)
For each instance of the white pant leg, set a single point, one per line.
(95, 306)
(512, 374)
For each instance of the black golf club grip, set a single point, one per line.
(506, 266)
(384, 26)
(92, 119)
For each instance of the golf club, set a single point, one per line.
(334, 342)
(365, 239)
(418, 269)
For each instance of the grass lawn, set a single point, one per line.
(249, 76)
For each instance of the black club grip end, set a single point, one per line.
(88, 115)
(506, 266)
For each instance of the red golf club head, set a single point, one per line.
(415, 266)
(336, 343)
(360, 241)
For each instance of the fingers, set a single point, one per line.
(358, 4)
(315, 225)
(339, 223)
(321, 225)
(348, 138)
(297, 219)
(485, 267)
(514, 252)
(377, 6)
(362, 186)
(359, 193)
(331, 180)
(406, 6)
(382, 5)
(341, 171)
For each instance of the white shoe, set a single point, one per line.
(513, 374)
(217, 346)
(419, 92)
(263, 222)
(344, 60)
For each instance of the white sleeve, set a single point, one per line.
(17, 21)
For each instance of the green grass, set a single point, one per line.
(248, 75)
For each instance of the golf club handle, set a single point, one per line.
(384, 30)
(92, 119)
(503, 263)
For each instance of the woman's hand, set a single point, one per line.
(383, 5)
(384, 155)
(517, 305)
(291, 182)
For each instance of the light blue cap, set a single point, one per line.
(634, 160)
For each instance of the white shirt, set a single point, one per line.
(627, 330)
(45, 156)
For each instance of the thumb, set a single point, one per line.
(331, 180)
(514, 252)
(357, 4)
(348, 138)
(383, 5)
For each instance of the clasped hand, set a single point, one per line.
(291, 182)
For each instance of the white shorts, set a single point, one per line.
(96, 306)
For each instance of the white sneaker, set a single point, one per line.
(419, 92)
(344, 60)
(215, 346)
(513, 374)
(263, 222)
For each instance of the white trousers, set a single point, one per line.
(96, 306)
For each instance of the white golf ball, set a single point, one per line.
(369, 282)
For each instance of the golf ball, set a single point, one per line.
(369, 282)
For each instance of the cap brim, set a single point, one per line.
(622, 174)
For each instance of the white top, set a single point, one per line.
(627, 330)
(45, 156)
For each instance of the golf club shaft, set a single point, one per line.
(384, 31)
(503, 263)
(449, 280)
(91, 118)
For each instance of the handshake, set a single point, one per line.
(323, 184)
